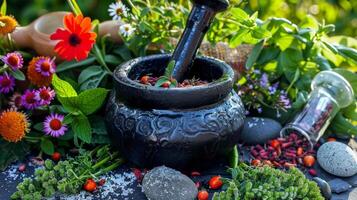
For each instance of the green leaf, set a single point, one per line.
(341, 125)
(74, 64)
(254, 54)
(91, 100)
(38, 127)
(238, 37)
(68, 119)
(17, 74)
(81, 128)
(112, 60)
(323, 63)
(12, 152)
(63, 88)
(331, 47)
(89, 72)
(161, 81)
(170, 68)
(67, 136)
(98, 125)
(70, 104)
(99, 56)
(347, 52)
(234, 157)
(93, 81)
(351, 111)
(3, 8)
(47, 146)
(239, 14)
(74, 6)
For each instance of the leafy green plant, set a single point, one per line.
(289, 54)
(79, 106)
(68, 176)
(267, 183)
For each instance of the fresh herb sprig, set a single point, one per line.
(268, 183)
(68, 176)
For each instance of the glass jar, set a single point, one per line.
(330, 92)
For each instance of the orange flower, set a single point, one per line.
(13, 125)
(7, 24)
(76, 38)
(36, 77)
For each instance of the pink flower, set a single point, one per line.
(14, 60)
(45, 66)
(44, 96)
(53, 125)
(29, 100)
(16, 100)
(7, 83)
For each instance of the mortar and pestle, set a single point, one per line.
(37, 34)
(176, 127)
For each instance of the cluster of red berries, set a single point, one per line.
(285, 152)
(149, 80)
(214, 183)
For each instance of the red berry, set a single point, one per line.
(90, 185)
(275, 144)
(309, 161)
(195, 173)
(56, 156)
(256, 162)
(215, 182)
(22, 168)
(331, 139)
(299, 151)
(202, 195)
(312, 172)
(166, 84)
(137, 173)
(101, 182)
(144, 80)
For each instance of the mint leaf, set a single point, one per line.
(63, 88)
(3, 8)
(255, 54)
(170, 68)
(91, 100)
(17, 74)
(81, 128)
(47, 146)
(70, 104)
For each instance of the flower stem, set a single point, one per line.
(4, 68)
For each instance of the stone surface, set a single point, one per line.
(352, 180)
(324, 187)
(162, 183)
(259, 130)
(337, 159)
(338, 185)
(353, 194)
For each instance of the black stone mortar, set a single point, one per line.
(176, 127)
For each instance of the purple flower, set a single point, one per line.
(256, 71)
(53, 125)
(260, 110)
(16, 100)
(45, 95)
(272, 89)
(264, 81)
(7, 83)
(29, 99)
(45, 66)
(14, 60)
(284, 100)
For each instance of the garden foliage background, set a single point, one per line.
(342, 13)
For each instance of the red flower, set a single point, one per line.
(76, 38)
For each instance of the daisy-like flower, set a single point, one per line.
(13, 125)
(53, 125)
(126, 30)
(14, 60)
(76, 39)
(7, 83)
(7, 24)
(29, 100)
(117, 10)
(35, 77)
(16, 101)
(45, 66)
(45, 95)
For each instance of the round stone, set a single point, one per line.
(162, 183)
(338, 159)
(324, 187)
(259, 130)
